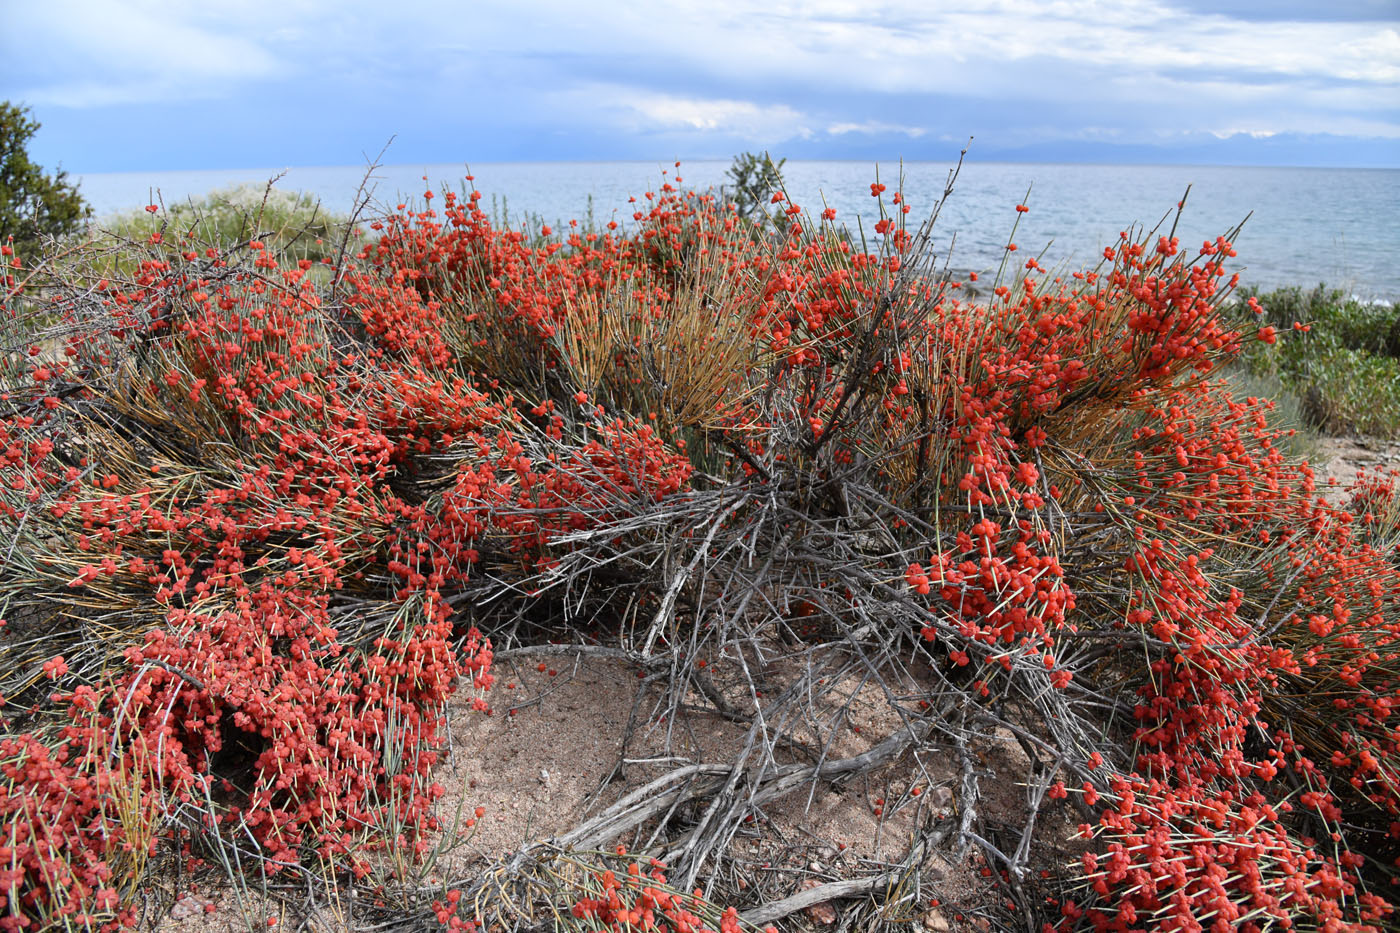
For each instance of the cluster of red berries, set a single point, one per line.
(281, 485)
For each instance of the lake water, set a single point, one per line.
(1308, 225)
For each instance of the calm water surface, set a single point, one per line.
(1308, 225)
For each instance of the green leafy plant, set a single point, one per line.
(34, 205)
(289, 221)
(756, 178)
(1352, 390)
(1339, 355)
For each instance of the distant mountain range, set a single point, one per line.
(1293, 149)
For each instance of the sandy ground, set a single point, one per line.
(541, 763)
(540, 770)
(1339, 459)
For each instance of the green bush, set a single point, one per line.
(289, 221)
(33, 206)
(1353, 325)
(756, 178)
(1352, 390)
(1340, 356)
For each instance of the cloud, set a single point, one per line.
(693, 76)
(97, 53)
(1147, 64)
(1240, 131)
(908, 45)
(645, 111)
(873, 127)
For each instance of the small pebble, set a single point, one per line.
(935, 922)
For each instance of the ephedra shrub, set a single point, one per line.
(248, 510)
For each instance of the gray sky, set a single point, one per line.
(139, 84)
